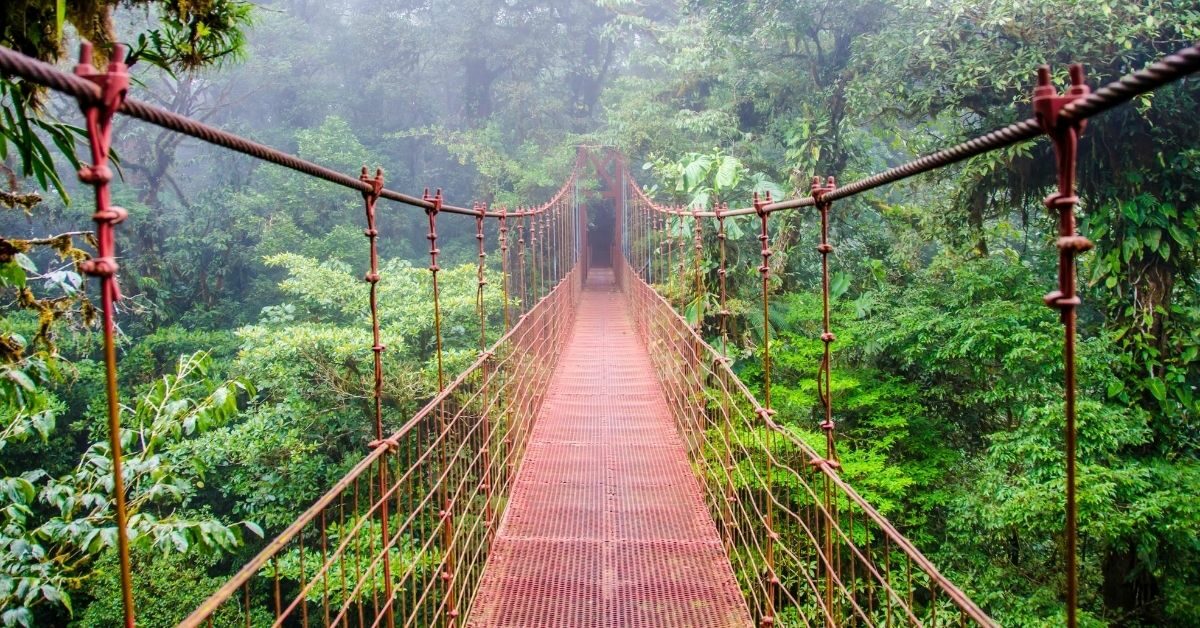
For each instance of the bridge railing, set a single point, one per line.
(404, 535)
(805, 547)
(435, 489)
(814, 552)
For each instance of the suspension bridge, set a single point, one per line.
(600, 464)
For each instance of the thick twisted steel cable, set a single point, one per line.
(1166, 70)
(1123, 90)
(16, 64)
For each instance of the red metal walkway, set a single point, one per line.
(607, 525)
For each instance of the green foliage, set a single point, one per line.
(312, 361)
(54, 528)
(701, 180)
(946, 373)
(190, 35)
(169, 587)
(24, 134)
(195, 35)
(336, 582)
(1159, 332)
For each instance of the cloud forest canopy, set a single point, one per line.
(245, 343)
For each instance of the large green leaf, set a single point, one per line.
(729, 173)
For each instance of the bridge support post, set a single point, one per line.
(701, 419)
(832, 562)
(114, 85)
(765, 412)
(485, 374)
(1064, 135)
(372, 278)
(446, 514)
(726, 402)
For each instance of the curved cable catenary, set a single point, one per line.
(831, 524)
(89, 93)
(1166, 70)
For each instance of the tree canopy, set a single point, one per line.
(245, 344)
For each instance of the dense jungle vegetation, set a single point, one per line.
(245, 348)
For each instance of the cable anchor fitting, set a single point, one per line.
(1064, 134)
(435, 206)
(370, 197)
(760, 204)
(99, 112)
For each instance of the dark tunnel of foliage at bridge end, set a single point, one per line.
(245, 344)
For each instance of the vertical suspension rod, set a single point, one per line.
(114, 85)
(1064, 136)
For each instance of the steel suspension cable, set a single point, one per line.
(13, 63)
(1162, 72)
(1123, 90)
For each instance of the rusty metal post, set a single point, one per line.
(504, 265)
(547, 265)
(521, 261)
(661, 231)
(506, 442)
(653, 247)
(114, 85)
(1047, 103)
(765, 412)
(481, 310)
(534, 263)
(372, 278)
(675, 270)
(651, 250)
(697, 346)
(698, 246)
(539, 220)
(726, 402)
(824, 377)
(827, 336)
(447, 511)
(481, 278)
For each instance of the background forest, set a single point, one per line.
(245, 343)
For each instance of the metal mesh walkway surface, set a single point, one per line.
(607, 525)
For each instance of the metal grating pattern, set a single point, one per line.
(607, 525)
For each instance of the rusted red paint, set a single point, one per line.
(607, 525)
(1048, 106)
(98, 113)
